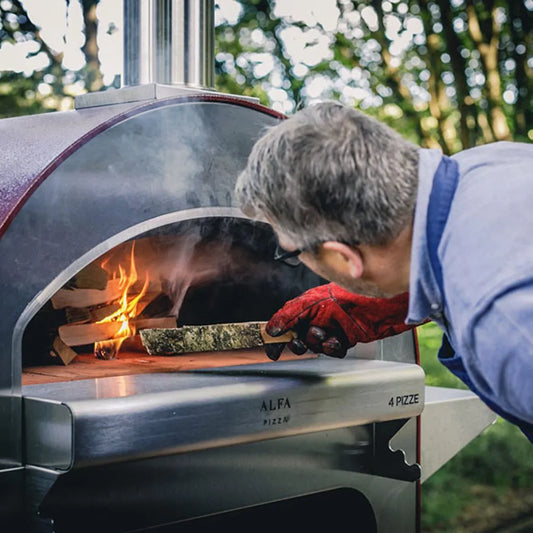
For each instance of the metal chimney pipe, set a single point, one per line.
(169, 42)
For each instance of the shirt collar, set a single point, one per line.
(424, 295)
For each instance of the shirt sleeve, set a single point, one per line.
(501, 358)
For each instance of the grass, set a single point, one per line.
(488, 482)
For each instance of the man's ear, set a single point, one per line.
(344, 257)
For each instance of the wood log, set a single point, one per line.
(82, 334)
(212, 337)
(95, 314)
(93, 297)
(61, 350)
(89, 314)
(93, 276)
(87, 297)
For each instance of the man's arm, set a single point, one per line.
(500, 362)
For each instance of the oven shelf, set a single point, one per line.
(128, 363)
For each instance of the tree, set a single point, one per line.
(449, 73)
(446, 73)
(51, 87)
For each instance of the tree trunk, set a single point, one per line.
(394, 79)
(487, 44)
(435, 84)
(458, 63)
(93, 78)
(520, 26)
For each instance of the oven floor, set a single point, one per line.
(86, 366)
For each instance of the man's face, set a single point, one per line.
(374, 271)
(325, 270)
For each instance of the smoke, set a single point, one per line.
(215, 270)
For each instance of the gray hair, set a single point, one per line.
(330, 172)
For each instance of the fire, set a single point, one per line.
(127, 310)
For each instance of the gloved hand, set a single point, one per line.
(329, 319)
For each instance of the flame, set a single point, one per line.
(127, 310)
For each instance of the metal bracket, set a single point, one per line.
(391, 463)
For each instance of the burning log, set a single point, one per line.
(106, 350)
(96, 314)
(80, 298)
(213, 337)
(89, 314)
(83, 334)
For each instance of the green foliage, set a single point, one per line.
(445, 74)
(494, 467)
(243, 48)
(429, 340)
(53, 87)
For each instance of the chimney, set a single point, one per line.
(169, 42)
(168, 50)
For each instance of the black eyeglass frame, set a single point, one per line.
(292, 259)
(283, 256)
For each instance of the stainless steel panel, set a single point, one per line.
(451, 419)
(48, 437)
(169, 41)
(148, 91)
(156, 176)
(146, 415)
(11, 500)
(218, 480)
(10, 429)
(398, 348)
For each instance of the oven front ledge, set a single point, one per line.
(90, 422)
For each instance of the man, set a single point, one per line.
(406, 235)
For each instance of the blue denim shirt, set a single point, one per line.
(486, 254)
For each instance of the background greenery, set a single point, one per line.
(490, 481)
(448, 74)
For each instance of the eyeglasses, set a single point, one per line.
(289, 258)
(292, 258)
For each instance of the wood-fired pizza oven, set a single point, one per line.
(135, 188)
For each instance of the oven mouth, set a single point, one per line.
(197, 267)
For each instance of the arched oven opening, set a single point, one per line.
(211, 270)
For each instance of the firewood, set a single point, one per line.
(93, 297)
(90, 314)
(95, 314)
(61, 350)
(87, 297)
(93, 276)
(105, 350)
(83, 334)
(212, 337)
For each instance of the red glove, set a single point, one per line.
(329, 319)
